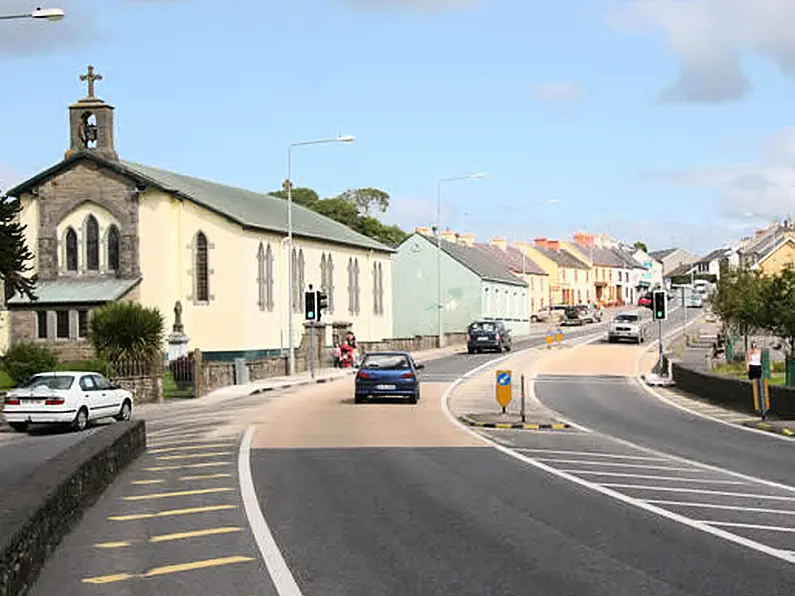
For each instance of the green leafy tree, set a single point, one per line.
(339, 210)
(366, 199)
(641, 246)
(739, 300)
(778, 312)
(25, 359)
(16, 259)
(126, 331)
(306, 197)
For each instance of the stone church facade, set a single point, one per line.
(105, 229)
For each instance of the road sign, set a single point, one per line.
(503, 387)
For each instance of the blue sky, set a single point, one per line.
(651, 119)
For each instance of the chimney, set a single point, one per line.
(449, 235)
(584, 239)
(466, 239)
(541, 242)
(553, 244)
(424, 230)
(500, 243)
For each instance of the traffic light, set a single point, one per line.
(660, 306)
(310, 306)
(321, 303)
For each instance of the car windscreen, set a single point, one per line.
(487, 327)
(626, 319)
(386, 362)
(57, 383)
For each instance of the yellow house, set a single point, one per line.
(105, 229)
(568, 275)
(779, 258)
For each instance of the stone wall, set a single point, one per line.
(44, 507)
(412, 344)
(145, 389)
(729, 392)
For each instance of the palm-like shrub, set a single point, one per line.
(126, 331)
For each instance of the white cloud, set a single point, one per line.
(709, 38)
(417, 5)
(764, 188)
(558, 92)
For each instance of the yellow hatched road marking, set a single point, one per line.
(190, 441)
(209, 464)
(189, 511)
(147, 481)
(189, 448)
(193, 534)
(106, 579)
(205, 476)
(181, 493)
(193, 455)
(112, 544)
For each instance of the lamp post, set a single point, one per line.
(440, 305)
(288, 186)
(47, 14)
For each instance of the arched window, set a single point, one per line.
(357, 288)
(269, 302)
(113, 248)
(71, 250)
(301, 279)
(261, 281)
(92, 244)
(202, 272)
(330, 283)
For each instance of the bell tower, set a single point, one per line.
(91, 122)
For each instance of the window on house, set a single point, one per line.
(202, 275)
(351, 288)
(71, 250)
(41, 324)
(294, 289)
(261, 290)
(82, 323)
(380, 288)
(375, 289)
(330, 283)
(357, 289)
(92, 244)
(301, 279)
(62, 324)
(114, 242)
(269, 281)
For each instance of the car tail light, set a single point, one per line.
(498, 337)
(363, 375)
(12, 401)
(54, 402)
(408, 375)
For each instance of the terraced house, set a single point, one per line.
(106, 229)
(569, 276)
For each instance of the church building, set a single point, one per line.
(105, 229)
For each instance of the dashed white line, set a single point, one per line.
(722, 507)
(645, 466)
(647, 477)
(748, 526)
(593, 454)
(704, 491)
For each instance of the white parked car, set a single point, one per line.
(626, 325)
(73, 398)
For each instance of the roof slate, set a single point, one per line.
(480, 263)
(76, 291)
(562, 258)
(513, 258)
(661, 254)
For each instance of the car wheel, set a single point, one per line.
(534, 319)
(470, 351)
(80, 423)
(20, 427)
(414, 398)
(126, 411)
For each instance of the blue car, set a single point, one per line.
(383, 374)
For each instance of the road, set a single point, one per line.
(393, 499)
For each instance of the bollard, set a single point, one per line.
(550, 340)
(560, 337)
(522, 405)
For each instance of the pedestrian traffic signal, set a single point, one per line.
(310, 305)
(321, 303)
(660, 305)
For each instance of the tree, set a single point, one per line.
(306, 197)
(15, 256)
(641, 246)
(739, 300)
(367, 198)
(778, 312)
(126, 331)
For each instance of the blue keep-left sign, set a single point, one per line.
(504, 378)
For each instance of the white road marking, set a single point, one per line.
(647, 477)
(280, 573)
(594, 454)
(645, 466)
(704, 491)
(723, 507)
(750, 526)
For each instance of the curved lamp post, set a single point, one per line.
(46, 14)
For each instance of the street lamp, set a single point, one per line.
(439, 246)
(288, 186)
(47, 14)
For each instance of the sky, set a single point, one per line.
(665, 121)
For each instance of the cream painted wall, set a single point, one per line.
(233, 319)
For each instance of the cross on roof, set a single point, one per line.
(91, 78)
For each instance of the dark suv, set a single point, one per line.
(488, 335)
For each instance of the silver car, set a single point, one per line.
(626, 325)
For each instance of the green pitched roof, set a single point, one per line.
(255, 210)
(73, 291)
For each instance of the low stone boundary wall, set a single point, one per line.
(736, 394)
(37, 513)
